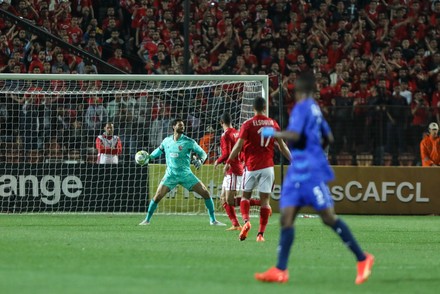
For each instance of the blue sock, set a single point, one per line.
(286, 241)
(151, 208)
(344, 232)
(210, 206)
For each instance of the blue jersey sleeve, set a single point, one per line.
(297, 119)
(325, 128)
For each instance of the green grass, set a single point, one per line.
(183, 254)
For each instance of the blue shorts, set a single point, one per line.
(308, 193)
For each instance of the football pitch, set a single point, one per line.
(183, 254)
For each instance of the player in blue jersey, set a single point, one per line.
(177, 149)
(306, 182)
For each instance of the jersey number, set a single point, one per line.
(262, 144)
(319, 195)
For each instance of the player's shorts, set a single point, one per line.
(262, 179)
(232, 182)
(307, 193)
(188, 181)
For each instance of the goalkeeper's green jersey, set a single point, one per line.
(178, 154)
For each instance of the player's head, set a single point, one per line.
(433, 129)
(259, 105)
(178, 126)
(225, 119)
(305, 86)
(109, 129)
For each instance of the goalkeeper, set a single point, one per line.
(178, 149)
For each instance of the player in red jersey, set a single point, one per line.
(259, 172)
(233, 177)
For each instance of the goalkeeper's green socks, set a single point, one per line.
(151, 208)
(210, 206)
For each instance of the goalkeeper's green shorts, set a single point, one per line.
(188, 181)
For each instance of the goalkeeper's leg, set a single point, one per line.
(162, 190)
(200, 189)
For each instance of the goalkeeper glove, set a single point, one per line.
(197, 163)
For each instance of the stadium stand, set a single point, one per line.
(377, 62)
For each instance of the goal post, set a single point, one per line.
(50, 124)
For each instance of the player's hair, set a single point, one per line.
(306, 83)
(259, 104)
(226, 118)
(176, 121)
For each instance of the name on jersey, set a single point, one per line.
(261, 122)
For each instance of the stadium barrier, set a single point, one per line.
(386, 190)
(61, 187)
(357, 190)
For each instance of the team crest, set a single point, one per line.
(180, 148)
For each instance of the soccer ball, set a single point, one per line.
(142, 157)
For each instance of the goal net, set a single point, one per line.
(50, 124)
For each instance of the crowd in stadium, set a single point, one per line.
(377, 63)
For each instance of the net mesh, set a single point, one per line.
(49, 128)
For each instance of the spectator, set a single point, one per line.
(60, 64)
(113, 106)
(49, 111)
(125, 117)
(113, 43)
(93, 31)
(364, 42)
(396, 122)
(38, 62)
(404, 91)
(30, 120)
(360, 112)
(435, 102)
(96, 115)
(119, 61)
(420, 113)
(376, 123)
(93, 48)
(336, 76)
(343, 119)
(207, 144)
(73, 136)
(160, 126)
(109, 146)
(430, 147)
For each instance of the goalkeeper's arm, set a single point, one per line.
(202, 156)
(157, 152)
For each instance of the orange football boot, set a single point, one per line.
(364, 269)
(234, 228)
(260, 238)
(273, 275)
(244, 231)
